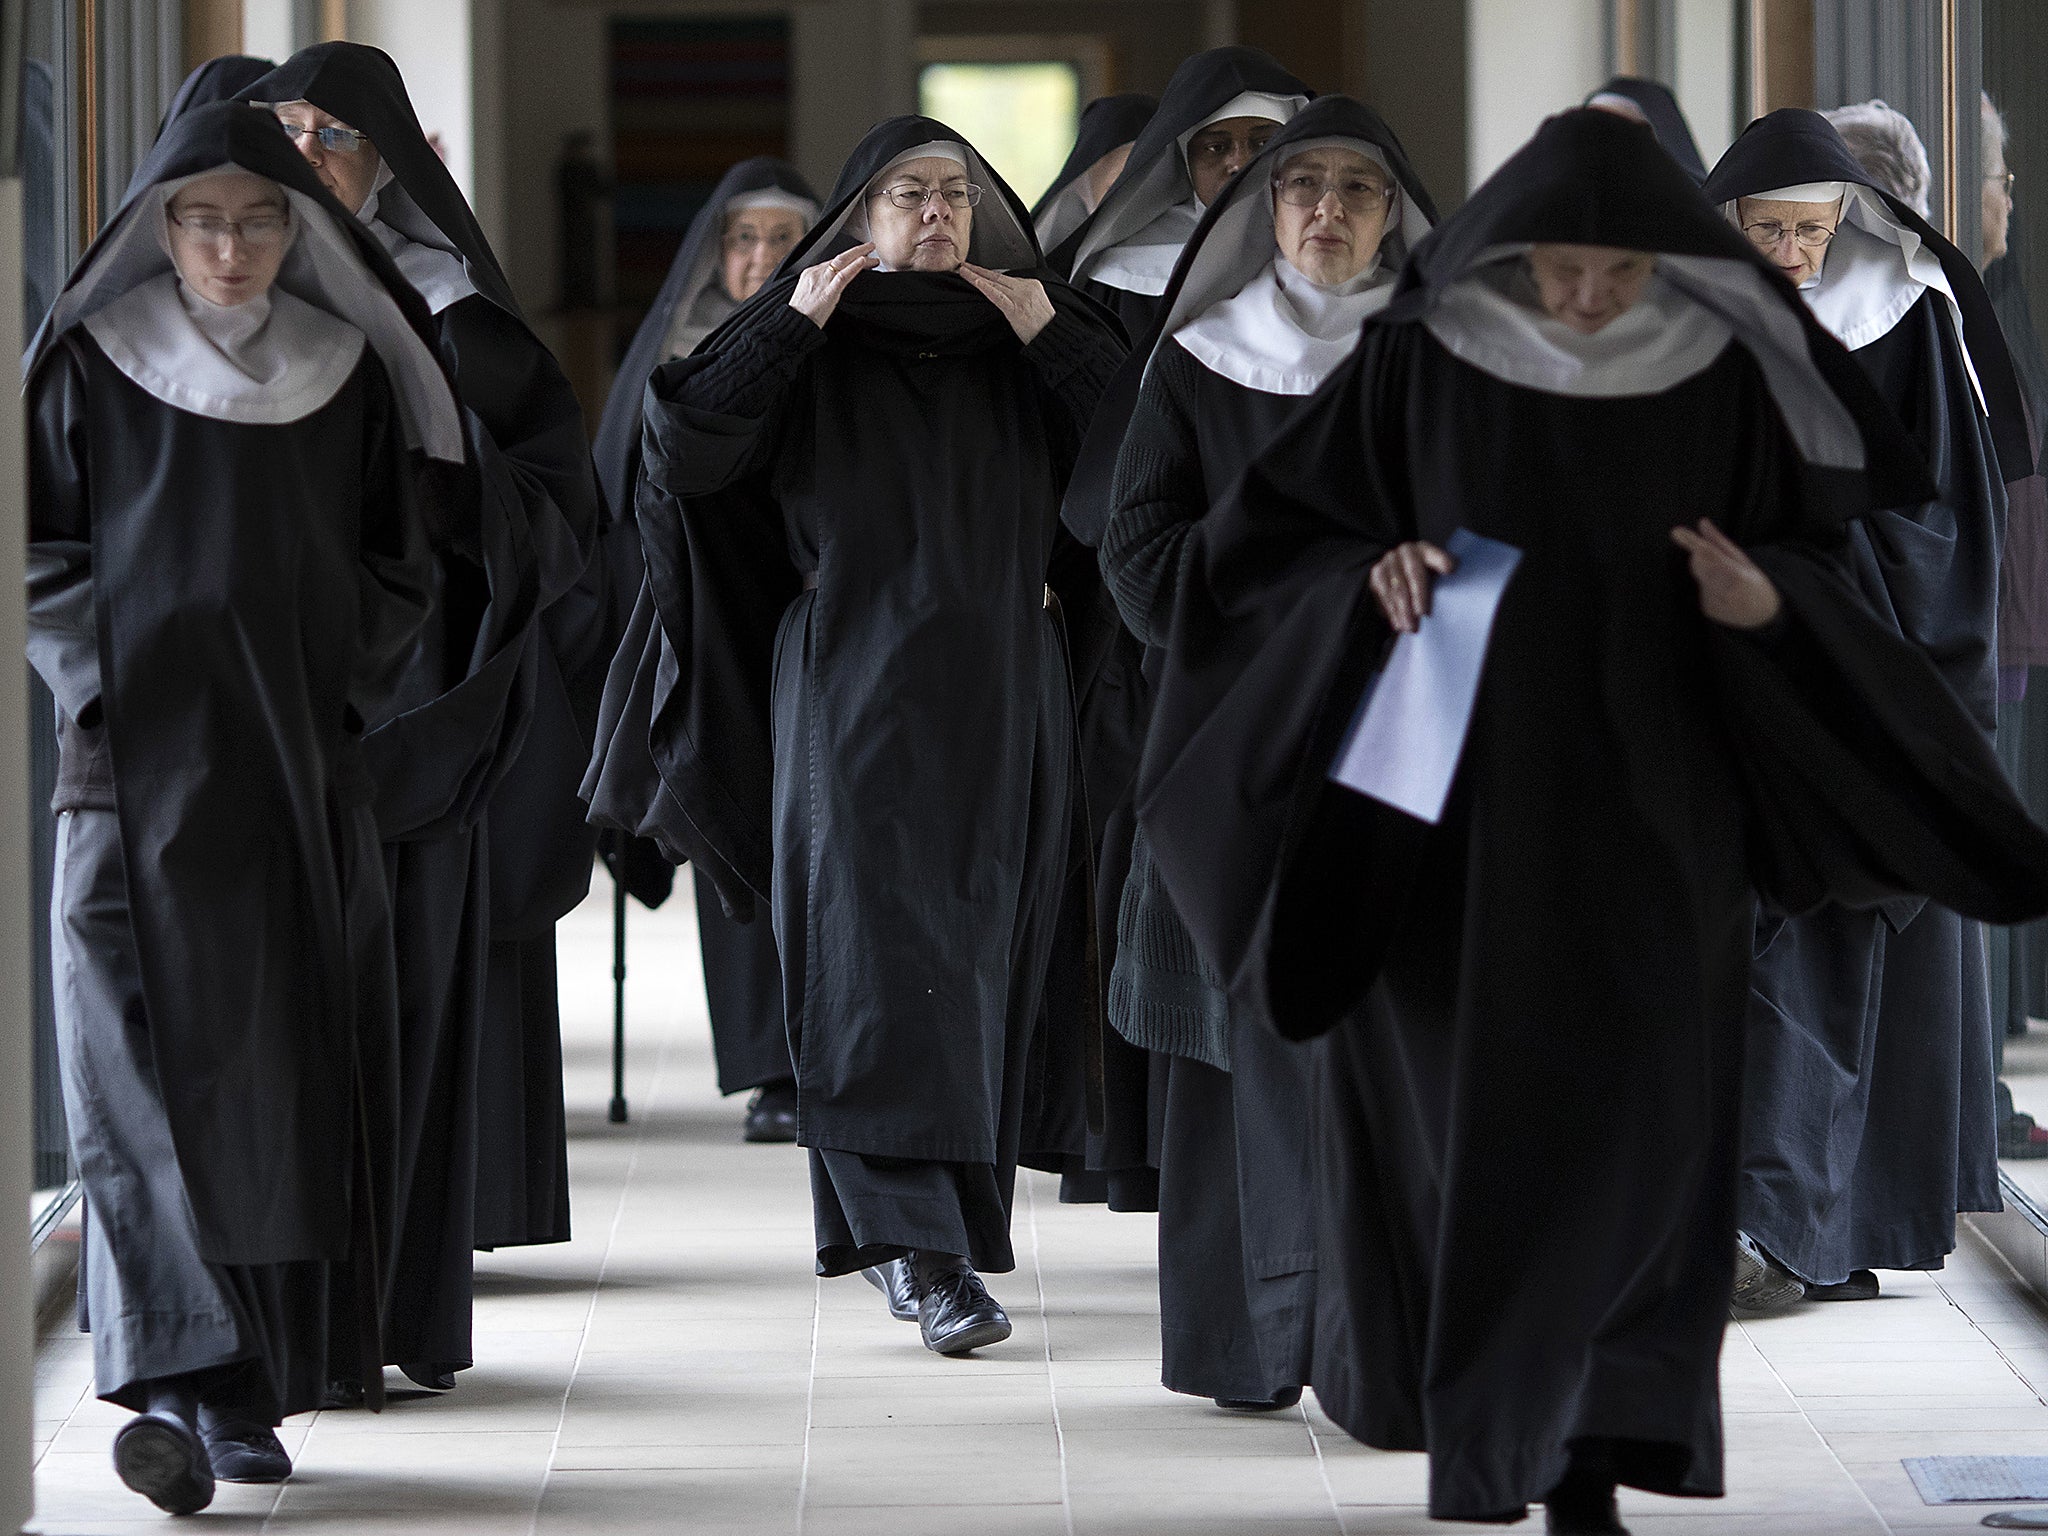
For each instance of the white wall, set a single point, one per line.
(267, 28)
(431, 42)
(1525, 60)
(1706, 73)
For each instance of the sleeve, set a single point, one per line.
(1157, 496)
(395, 569)
(63, 643)
(1075, 358)
(710, 423)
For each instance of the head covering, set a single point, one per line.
(935, 149)
(1593, 178)
(417, 210)
(1133, 240)
(1653, 100)
(691, 293)
(1241, 310)
(221, 79)
(1107, 124)
(125, 291)
(1882, 259)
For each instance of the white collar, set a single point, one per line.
(1283, 334)
(1663, 341)
(1144, 263)
(441, 276)
(268, 362)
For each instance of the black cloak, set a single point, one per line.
(914, 877)
(1541, 997)
(221, 79)
(1155, 178)
(1107, 123)
(1870, 1104)
(742, 976)
(1655, 101)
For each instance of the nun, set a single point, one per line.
(221, 79)
(1269, 299)
(1871, 1105)
(1652, 103)
(850, 487)
(483, 854)
(230, 412)
(1217, 111)
(1108, 129)
(754, 217)
(1529, 1111)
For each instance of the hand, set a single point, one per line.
(1403, 578)
(818, 289)
(1021, 299)
(1733, 588)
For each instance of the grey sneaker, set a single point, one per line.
(1762, 1284)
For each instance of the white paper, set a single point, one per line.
(1405, 741)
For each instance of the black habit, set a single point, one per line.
(535, 848)
(1869, 1080)
(226, 568)
(742, 974)
(1655, 101)
(833, 520)
(1531, 1106)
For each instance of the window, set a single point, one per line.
(1022, 116)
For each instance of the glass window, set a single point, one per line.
(1022, 116)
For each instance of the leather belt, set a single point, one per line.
(811, 585)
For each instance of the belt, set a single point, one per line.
(811, 585)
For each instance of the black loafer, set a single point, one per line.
(1287, 1399)
(242, 1452)
(898, 1289)
(434, 1375)
(342, 1394)
(771, 1115)
(956, 1314)
(163, 1459)
(1860, 1286)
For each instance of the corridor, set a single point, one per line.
(677, 1368)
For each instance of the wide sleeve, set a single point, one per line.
(1074, 359)
(63, 641)
(395, 566)
(711, 422)
(1157, 496)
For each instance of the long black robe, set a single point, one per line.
(822, 747)
(534, 855)
(742, 974)
(1566, 953)
(228, 1024)
(1869, 1082)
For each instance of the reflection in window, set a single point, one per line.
(1021, 116)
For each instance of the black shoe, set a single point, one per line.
(342, 1394)
(1860, 1286)
(1762, 1284)
(162, 1458)
(957, 1314)
(1287, 1399)
(434, 1375)
(1577, 1509)
(898, 1289)
(771, 1114)
(242, 1452)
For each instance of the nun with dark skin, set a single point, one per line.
(1268, 301)
(232, 408)
(754, 218)
(1684, 700)
(846, 489)
(484, 838)
(1870, 1117)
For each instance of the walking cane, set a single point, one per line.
(618, 1109)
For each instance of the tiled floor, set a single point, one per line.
(677, 1368)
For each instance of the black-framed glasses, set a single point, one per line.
(1358, 194)
(911, 195)
(259, 231)
(1769, 234)
(340, 141)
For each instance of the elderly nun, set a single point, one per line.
(1870, 1118)
(230, 411)
(754, 217)
(484, 839)
(1529, 1111)
(1217, 111)
(857, 694)
(1269, 299)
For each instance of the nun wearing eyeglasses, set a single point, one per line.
(1870, 1090)
(1270, 298)
(231, 410)
(857, 694)
(486, 839)
(753, 218)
